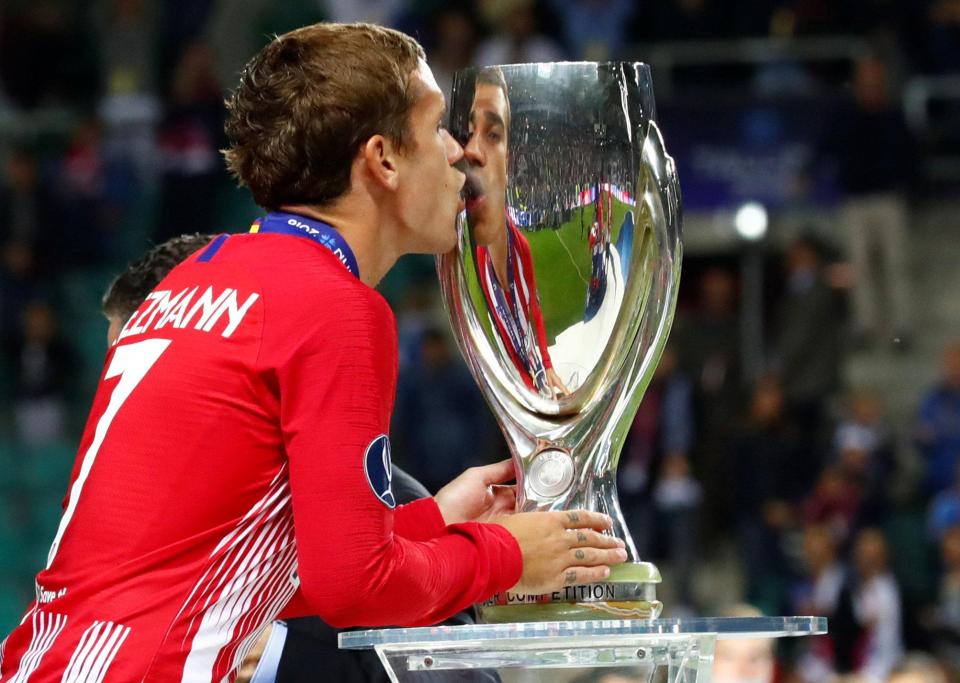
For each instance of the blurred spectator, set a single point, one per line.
(517, 38)
(834, 502)
(659, 497)
(128, 46)
(25, 219)
(709, 344)
(786, 76)
(865, 453)
(18, 285)
(676, 495)
(182, 23)
(938, 428)
(917, 667)
(594, 30)
(874, 178)
(129, 108)
(189, 141)
(22, 200)
(764, 485)
(944, 620)
(416, 316)
(817, 592)
(83, 234)
(876, 606)
(441, 424)
(710, 336)
(806, 347)
(454, 29)
(677, 499)
(823, 574)
(944, 511)
(943, 17)
(43, 368)
(744, 660)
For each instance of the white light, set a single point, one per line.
(751, 221)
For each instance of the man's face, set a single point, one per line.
(486, 151)
(428, 192)
(743, 661)
(114, 327)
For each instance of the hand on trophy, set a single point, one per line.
(556, 384)
(477, 495)
(563, 549)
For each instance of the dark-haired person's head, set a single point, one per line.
(486, 152)
(332, 112)
(129, 289)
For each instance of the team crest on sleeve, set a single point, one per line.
(379, 471)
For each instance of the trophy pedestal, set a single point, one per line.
(551, 651)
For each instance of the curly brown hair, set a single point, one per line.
(309, 100)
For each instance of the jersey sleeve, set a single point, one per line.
(335, 385)
(420, 520)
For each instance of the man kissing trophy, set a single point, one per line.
(562, 290)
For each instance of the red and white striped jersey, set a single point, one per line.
(233, 460)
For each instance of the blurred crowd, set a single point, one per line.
(110, 129)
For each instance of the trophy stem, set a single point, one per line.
(630, 590)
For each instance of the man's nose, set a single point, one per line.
(454, 150)
(472, 151)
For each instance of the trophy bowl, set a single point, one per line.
(562, 288)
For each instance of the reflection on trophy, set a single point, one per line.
(503, 260)
(562, 289)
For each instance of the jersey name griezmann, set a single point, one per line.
(190, 307)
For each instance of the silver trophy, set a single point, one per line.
(562, 289)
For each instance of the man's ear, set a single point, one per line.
(379, 155)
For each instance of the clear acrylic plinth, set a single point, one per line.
(680, 649)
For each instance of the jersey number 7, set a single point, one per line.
(131, 363)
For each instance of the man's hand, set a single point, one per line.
(475, 496)
(556, 384)
(563, 548)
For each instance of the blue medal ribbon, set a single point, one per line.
(280, 223)
(510, 316)
(505, 313)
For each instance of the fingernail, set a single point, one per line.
(621, 543)
(606, 572)
(622, 554)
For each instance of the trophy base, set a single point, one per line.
(630, 593)
(569, 611)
